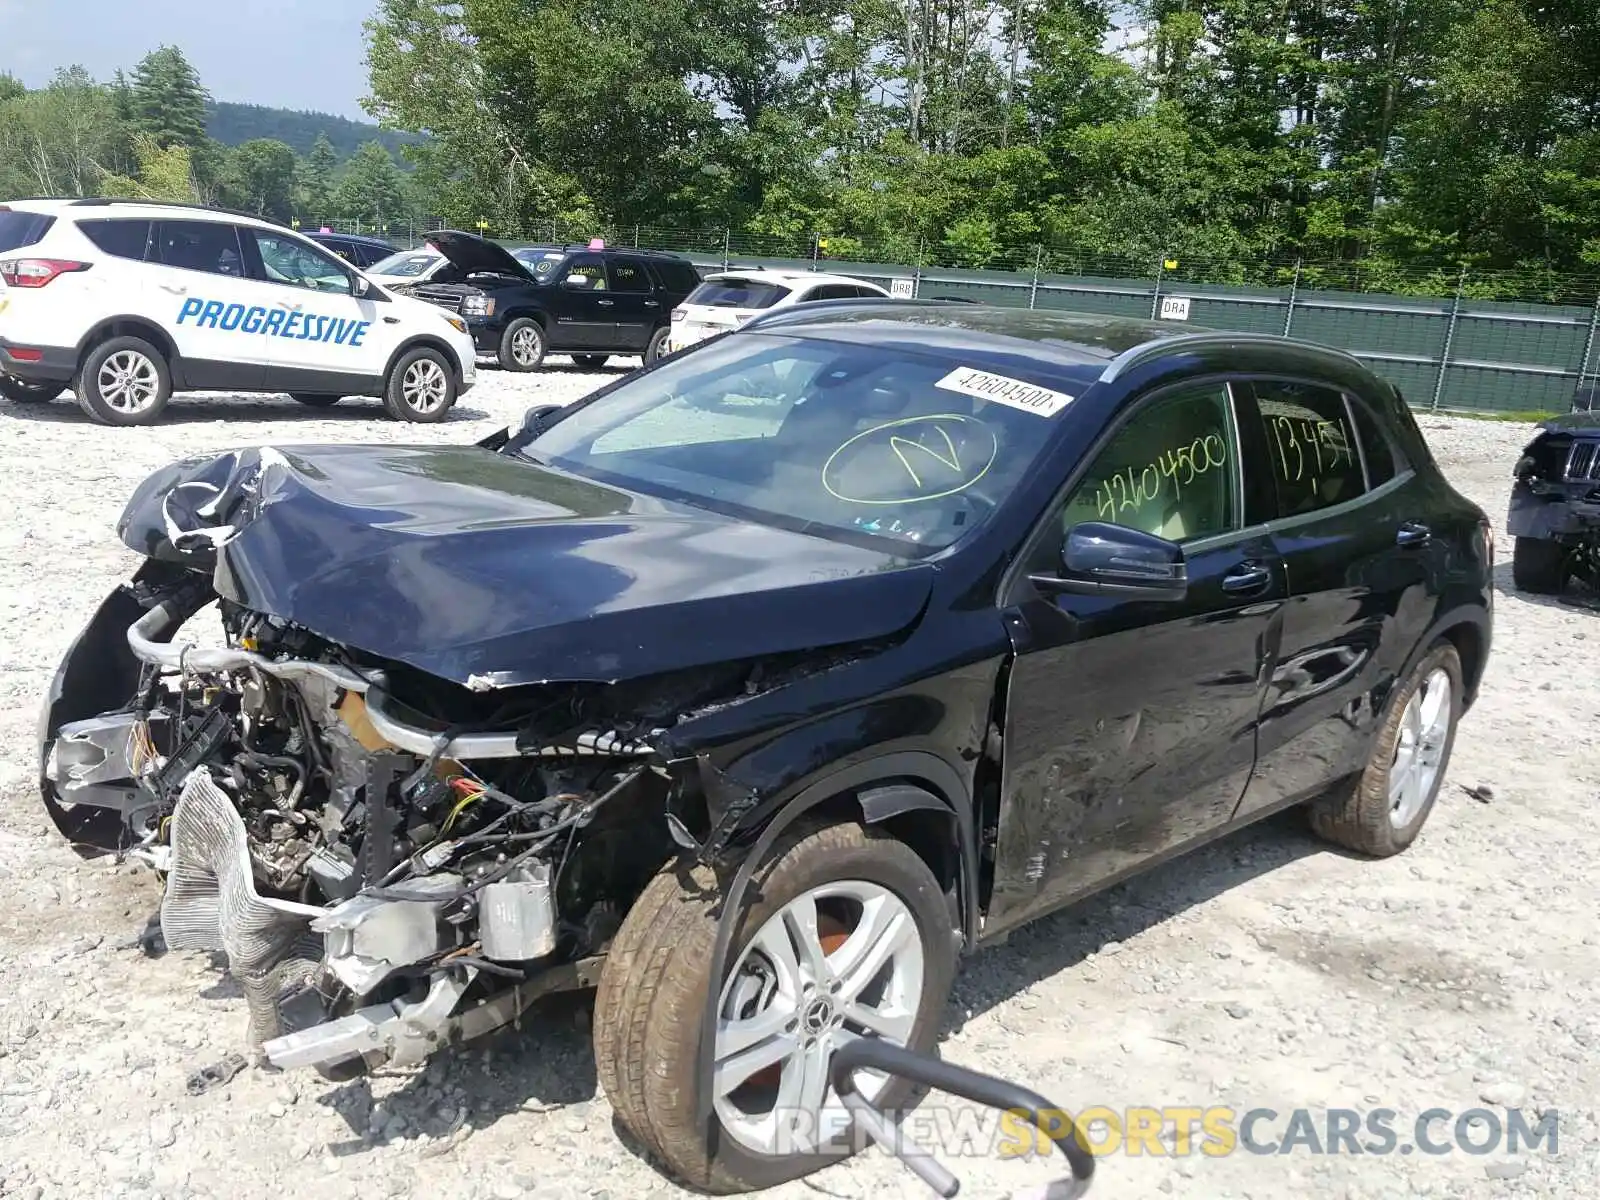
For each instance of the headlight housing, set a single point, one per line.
(457, 322)
(477, 306)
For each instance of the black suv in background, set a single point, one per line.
(1555, 506)
(354, 248)
(587, 302)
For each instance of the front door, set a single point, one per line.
(1130, 723)
(581, 306)
(1358, 564)
(318, 336)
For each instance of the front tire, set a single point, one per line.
(522, 345)
(22, 391)
(421, 388)
(311, 400)
(1539, 567)
(124, 381)
(1390, 803)
(845, 931)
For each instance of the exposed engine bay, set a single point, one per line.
(379, 884)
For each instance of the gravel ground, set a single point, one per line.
(1265, 971)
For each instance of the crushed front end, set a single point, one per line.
(402, 738)
(380, 885)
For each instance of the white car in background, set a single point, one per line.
(407, 267)
(728, 299)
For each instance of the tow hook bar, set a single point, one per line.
(874, 1054)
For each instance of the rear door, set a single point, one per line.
(195, 286)
(634, 303)
(1130, 723)
(1346, 522)
(316, 336)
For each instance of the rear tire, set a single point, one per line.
(654, 986)
(124, 381)
(1382, 815)
(658, 344)
(315, 401)
(590, 362)
(522, 345)
(421, 388)
(1539, 567)
(23, 391)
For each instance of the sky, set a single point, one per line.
(304, 54)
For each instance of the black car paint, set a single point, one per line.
(1546, 505)
(607, 321)
(1126, 731)
(469, 565)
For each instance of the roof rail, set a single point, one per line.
(1133, 356)
(107, 201)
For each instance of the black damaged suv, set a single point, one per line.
(590, 303)
(1555, 506)
(758, 687)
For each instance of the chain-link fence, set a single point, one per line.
(1490, 341)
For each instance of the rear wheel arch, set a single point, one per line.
(1467, 629)
(139, 327)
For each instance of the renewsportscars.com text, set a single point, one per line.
(1179, 1131)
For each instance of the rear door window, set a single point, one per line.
(738, 293)
(1311, 446)
(19, 229)
(122, 238)
(629, 275)
(208, 246)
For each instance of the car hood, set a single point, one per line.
(494, 572)
(472, 253)
(1573, 422)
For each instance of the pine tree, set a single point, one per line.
(373, 188)
(316, 180)
(168, 102)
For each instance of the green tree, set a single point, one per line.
(373, 188)
(316, 180)
(168, 102)
(260, 178)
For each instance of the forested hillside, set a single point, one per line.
(232, 124)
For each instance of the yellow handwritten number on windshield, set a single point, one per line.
(922, 463)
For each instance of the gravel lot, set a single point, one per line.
(1265, 971)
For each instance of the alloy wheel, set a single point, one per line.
(425, 386)
(841, 961)
(128, 382)
(525, 346)
(1419, 749)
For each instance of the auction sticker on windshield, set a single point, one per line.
(1003, 390)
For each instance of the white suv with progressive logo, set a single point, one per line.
(127, 302)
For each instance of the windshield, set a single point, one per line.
(737, 293)
(820, 436)
(542, 263)
(407, 263)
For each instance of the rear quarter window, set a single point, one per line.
(124, 239)
(19, 229)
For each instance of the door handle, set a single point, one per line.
(605, 303)
(1413, 534)
(176, 291)
(652, 304)
(1247, 577)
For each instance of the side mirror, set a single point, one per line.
(360, 286)
(1098, 559)
(578, 283)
